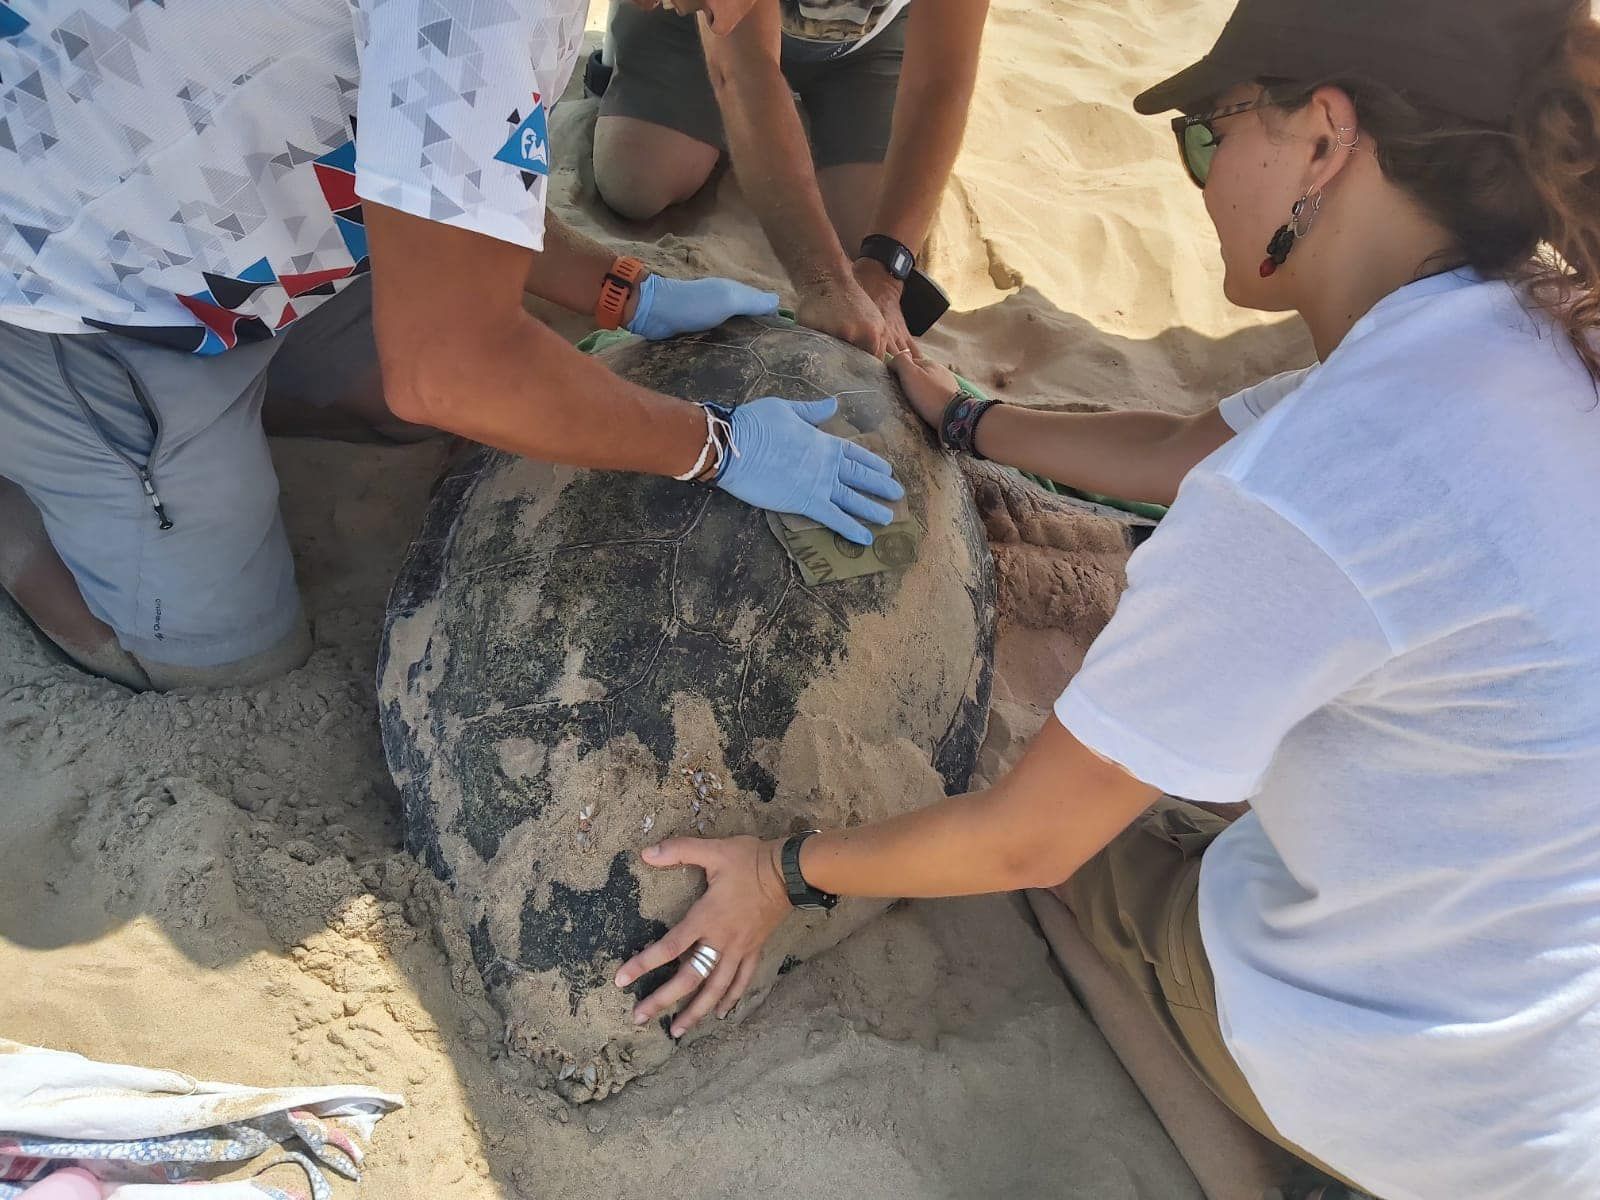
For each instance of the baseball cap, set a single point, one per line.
(1470, 58)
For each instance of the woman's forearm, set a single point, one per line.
(1134, 455)
(961, 846)
(1056, 809)
(1051, 813)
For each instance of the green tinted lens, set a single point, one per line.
(1199, 148)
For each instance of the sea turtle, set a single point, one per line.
(578, 664)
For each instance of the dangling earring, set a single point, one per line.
(1298, 226)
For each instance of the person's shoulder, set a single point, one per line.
(1434, 394)
(1464, 331)
(1424, 361)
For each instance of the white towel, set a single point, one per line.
(147, 1129)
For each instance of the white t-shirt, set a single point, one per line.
(1375, 614)
(189, 173)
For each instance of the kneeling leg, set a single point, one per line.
(92, 430)
(659, 133)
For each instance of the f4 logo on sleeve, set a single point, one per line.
(528, 147)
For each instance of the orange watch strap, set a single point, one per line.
(620, 281)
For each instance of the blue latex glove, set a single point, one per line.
(788, 465)
(668, 307)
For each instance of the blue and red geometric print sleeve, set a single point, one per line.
(452, 114)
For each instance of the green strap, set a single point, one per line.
(603, 339)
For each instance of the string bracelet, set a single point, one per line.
(719, 448)
(958, 429)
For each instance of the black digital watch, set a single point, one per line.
(801, 894)
(922, 301)
(895, 257)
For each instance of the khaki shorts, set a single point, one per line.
(661, 78)
(1137, 902)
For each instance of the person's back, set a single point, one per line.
(1442, 461)
(154, 144)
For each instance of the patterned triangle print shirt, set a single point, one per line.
(191, 172)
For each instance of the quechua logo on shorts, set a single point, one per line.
(528, 147)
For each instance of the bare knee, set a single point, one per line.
(627, 195)
(636, 190)
(640, 170)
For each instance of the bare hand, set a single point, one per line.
(885, 290)
(847, 312)
(929, 386)
(745, 901)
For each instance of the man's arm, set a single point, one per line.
(570, 268)
(772, 160)
(930, 116)
(460, 353)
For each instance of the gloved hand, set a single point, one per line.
(788, 465)
(668, 307)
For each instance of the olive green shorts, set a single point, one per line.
(660, 77)
(1137, 902)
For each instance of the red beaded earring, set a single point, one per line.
(1298, 226)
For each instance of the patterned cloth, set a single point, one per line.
(188, 172)
(819, 30)
(142, 1130)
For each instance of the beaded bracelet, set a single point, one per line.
(958, 430)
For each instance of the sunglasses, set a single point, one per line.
(1197, 140)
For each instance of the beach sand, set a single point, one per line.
(213, 882)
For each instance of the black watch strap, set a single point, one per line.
(895, 256)
(801, 893)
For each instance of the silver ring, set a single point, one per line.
(703, 960)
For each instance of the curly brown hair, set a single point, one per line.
(1522, 202)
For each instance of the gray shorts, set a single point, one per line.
(87, 419)
(661, 78)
